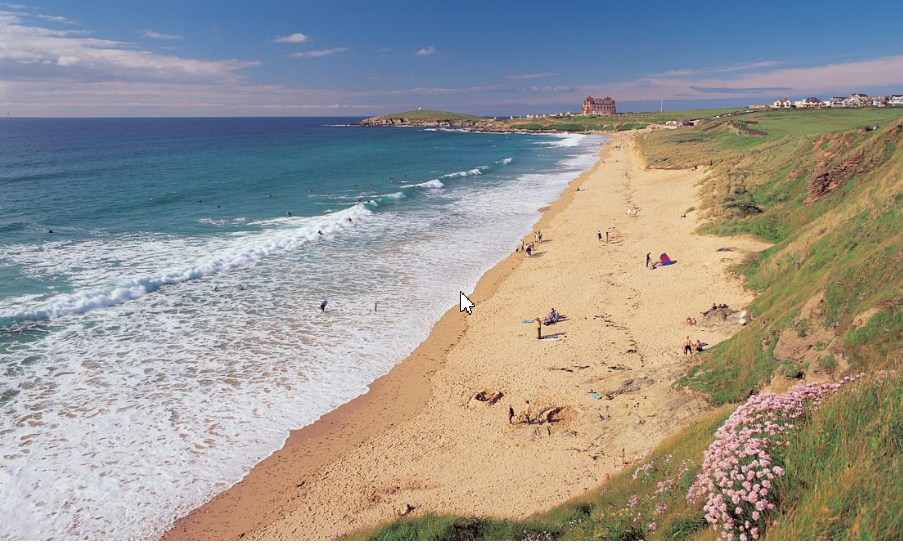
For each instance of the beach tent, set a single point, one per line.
(665, 260)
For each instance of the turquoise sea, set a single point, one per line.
(136, 378)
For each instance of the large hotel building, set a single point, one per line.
(598, 107)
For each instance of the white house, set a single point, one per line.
(782, 103)
(808, 102)
(837, 102)
(860, 99)
(895, 100)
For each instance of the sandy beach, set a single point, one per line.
(433, 434)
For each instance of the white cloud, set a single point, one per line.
(56, 19)
(426, 51)
(384, 50)
(535, 76)
(42, 54)
(296, 38)
(318, 52)
(148, 33)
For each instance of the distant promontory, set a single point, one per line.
(436, 118)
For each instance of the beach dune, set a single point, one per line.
(433, 435)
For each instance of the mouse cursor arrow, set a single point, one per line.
(466, 304)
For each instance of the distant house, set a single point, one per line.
(758, 107)
(879, 101)
(809, 102)
(859, 100)
(782, 103)
(837, 102)
(895, 100)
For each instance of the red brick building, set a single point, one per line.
(598, 107)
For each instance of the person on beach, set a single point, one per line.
(323, 306)
(529, 250)
(538, 328)
(699, 346)
(510, 415)
(648, 259)
(688, 347)
(527, 411)
(599, 236)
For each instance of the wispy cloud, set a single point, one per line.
(743, 67)
(56, 19)
(551, 89)
(384, 50)
(426, 51)
(536, 76)
(296, 38)
(740, 90)
(318, 52)
(148, 33)
(15, 6)
(43, 54)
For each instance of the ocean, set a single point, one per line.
(138, 378)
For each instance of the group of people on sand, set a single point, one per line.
(552, 318)
(689, 346)
(526, 413)
(530, 248)
(713, 308)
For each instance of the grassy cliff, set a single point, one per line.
(826, 187)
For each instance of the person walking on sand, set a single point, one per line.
(530, 250)
(323, 306)
(527, 411)
(599, 236)
(510, 415)
(538, 328)
(648, 259)
(688, 347)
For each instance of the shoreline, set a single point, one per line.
(425, 438)
(234, 512)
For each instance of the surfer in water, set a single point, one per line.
(323, 306)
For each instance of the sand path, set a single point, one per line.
(426, 443)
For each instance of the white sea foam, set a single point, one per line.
(239, 252)
(568, 140)
(190, 388)
(429, 184)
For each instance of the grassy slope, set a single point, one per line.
(434, 115)
(845, 467)
(619, 122)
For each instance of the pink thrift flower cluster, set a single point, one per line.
(739, 468)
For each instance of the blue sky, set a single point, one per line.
(103, 58)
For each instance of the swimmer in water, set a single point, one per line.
(219, 206)
(241, 287)
(271, 195)
(50, 231)
(215, 288)
(350, 221)
(323, 306)
(319, 232)
(288, 213)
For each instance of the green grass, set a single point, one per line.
(780, 123)
(844, 470)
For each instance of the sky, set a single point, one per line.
(361, 58)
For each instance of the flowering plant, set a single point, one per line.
(740, 466)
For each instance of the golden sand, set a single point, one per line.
(422, 440)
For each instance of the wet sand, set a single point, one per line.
(423, 440)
